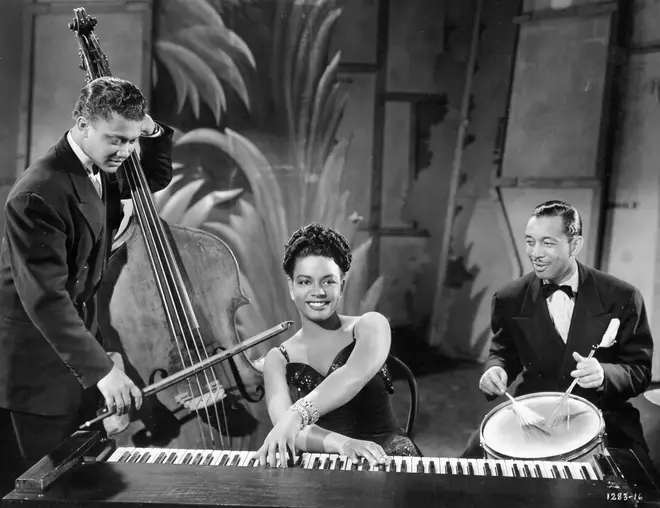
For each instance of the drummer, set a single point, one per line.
(545, 323)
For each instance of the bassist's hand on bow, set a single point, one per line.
(119, 391)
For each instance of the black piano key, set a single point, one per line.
(568, 472)
(393, 465)
(134, 457)
(145, 458)
(187, 458)
(340, 463)
(355, 465)
(498, 469)
(432, 468)
(487, 470)
(124, 457)
(448, 469)
(224, 459)
(539, 473)
(254, 461)
(470, 469)
(585, 473)
(404, 466)
(161, 458)
(327, 463)
(382, 467)
(516, 471)
(555, 472)
(171, 458)
(207, 459)
(197, 459)
(420, 466)
(459, 468)
(317, 463)
(235, 460)
(528, 473)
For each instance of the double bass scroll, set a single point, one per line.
(168, 301)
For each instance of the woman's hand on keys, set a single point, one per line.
(356, 448)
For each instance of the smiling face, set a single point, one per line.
(109, 142)
(551, 252)
(316, 287)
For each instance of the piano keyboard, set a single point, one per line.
(412, 465)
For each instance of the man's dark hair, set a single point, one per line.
(569, 215)
(107, 95)
(317, 240)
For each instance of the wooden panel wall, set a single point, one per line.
(51, 77)
(558, 131)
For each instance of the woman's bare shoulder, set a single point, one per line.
(372, 319)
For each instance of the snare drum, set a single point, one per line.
(502, 436)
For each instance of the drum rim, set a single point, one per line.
(569, 455)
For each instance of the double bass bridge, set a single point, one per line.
(214, 393)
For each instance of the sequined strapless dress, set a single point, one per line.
(369, 416)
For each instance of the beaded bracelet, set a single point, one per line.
(307, 410)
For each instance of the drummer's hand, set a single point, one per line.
(589, 372)
(494, 381)
(282, 436)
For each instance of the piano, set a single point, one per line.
(87, 470)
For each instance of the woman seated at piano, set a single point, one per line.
(328, 387)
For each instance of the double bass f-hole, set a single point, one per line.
(205, 393)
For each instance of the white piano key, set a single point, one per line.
(539, 470)
(245, 458)
(306, 460)
(576, 470)
(507, 467)
(143, 455)
(118, 453)
(465, 463)
(434, 465)
(495, 470)
(547, 469)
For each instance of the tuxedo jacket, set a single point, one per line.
(58, 233)
(526, 343)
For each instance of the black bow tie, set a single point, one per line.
(548, 289)
(95, 169)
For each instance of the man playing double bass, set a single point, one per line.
(546, 323)
(61, 216)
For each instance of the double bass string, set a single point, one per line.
(148, 216)
(166, 272)
(97, 66)
(165, 267)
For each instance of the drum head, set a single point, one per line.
(502, 432)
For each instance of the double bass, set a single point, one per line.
(167, 301)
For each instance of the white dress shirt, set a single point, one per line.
(561, 306)
(87, 164)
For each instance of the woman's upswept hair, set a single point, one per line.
(317, 240)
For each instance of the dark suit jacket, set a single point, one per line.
(57, 237)
(526, 342)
